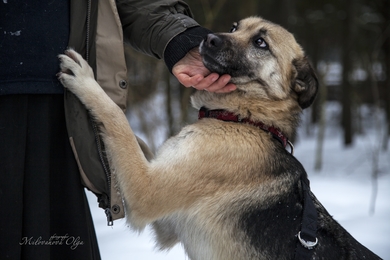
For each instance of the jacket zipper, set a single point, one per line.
(98, 140)
(106, 169)
(88, 28)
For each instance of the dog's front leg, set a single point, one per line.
(127, 159)
(151, 190)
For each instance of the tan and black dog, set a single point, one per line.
(225, 186)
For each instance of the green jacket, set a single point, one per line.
(98, 30)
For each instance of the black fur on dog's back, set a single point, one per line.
(281, 221)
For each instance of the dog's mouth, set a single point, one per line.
(208, 58)
(212, 64)
(218, 57)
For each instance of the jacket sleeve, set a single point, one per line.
(163, 29)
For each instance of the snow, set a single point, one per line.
(344, 187)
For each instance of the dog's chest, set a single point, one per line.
(195, 234)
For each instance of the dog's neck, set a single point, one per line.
(283, 115)
(230, 117)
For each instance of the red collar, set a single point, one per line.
(224, 115)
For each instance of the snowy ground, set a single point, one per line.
(343, 186)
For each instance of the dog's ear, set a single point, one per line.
(305, 82)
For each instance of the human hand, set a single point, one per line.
(191, 72)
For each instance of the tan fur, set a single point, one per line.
(198, 181)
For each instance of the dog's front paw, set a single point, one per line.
(75, 71)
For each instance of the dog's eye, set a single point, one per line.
(261, 43)
(234, 27)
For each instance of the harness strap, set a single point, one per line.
(307, 236)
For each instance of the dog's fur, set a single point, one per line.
(225, 190)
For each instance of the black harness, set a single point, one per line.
(307, 235)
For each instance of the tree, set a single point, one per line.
(321, 101)
(386, 51)
(347, 91)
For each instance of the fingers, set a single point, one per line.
(215, 83)
(189, 81)
(191, 72)
(211, 83)
(207, 82)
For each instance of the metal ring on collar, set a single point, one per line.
(291, 146)
(307, 244)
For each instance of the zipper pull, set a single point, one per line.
(110, 222)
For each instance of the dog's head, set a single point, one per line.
(263, 58)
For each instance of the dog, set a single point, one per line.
(226, 187)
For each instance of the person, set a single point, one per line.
(47, 139)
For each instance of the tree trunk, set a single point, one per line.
(347, 91)
(321, 102)
(387, 91)
(386, 50)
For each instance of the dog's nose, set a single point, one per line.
(213, 41)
